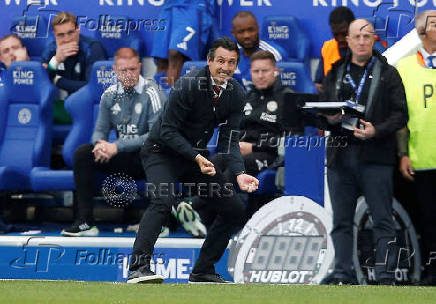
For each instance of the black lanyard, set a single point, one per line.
(359, 89)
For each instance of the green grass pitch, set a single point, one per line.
(58, 292)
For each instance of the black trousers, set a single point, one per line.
(347, 180)
(163, 171)
(426, 194)
(85, 169)
(254, 163)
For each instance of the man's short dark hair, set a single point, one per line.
(12, 36)
(261, 55)
(340, 15)
(242, 14)
(225, 43)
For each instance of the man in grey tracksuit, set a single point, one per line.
(129, 107)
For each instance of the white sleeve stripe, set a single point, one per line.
(265, 46)
(154, 97)
(150, 95)
(158, 103)
(276, 54)
(270, 48)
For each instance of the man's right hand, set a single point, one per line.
(100, 153)
(406, 168)
(205, 165)
(66, 50)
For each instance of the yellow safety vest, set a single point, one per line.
(420, 85)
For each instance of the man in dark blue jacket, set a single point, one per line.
(71, 56)
(175, 151)
(11, 49)
(69, 59)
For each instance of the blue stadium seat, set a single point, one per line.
(160, 80)
(404, 25)
(379, 24)
(26, 117)
(83, 107)
(266, 177)
(287, 33)
(380, 29)
(296, 75)
(304, 167)
(267, 182)
(212, 145)
(35, 33)
(60, 132)
(113, 34)
(189, 66)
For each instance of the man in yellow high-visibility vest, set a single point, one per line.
(417, 142)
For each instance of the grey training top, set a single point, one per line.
(130, 112)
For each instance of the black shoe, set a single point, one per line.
(386, 281)
(80, 228)
(206, 278)
(144, 276)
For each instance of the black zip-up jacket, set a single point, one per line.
(386, 109)
(262, 123)
(189, 118)
(72, 78)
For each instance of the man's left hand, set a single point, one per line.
(367, 132)
(247, 182)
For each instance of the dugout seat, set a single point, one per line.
(26, 117)
(266, 177)
(114, 34)
(83, 106)
(286, 32)
(296, 75)
(190, 66)
(381, 30)
(304, 167)
(35, 33)
(405, 24)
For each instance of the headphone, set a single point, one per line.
(423, 32)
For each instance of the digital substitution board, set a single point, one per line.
(285, 242)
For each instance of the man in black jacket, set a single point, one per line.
(261, 128)
(365, 166)
(175, 151)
